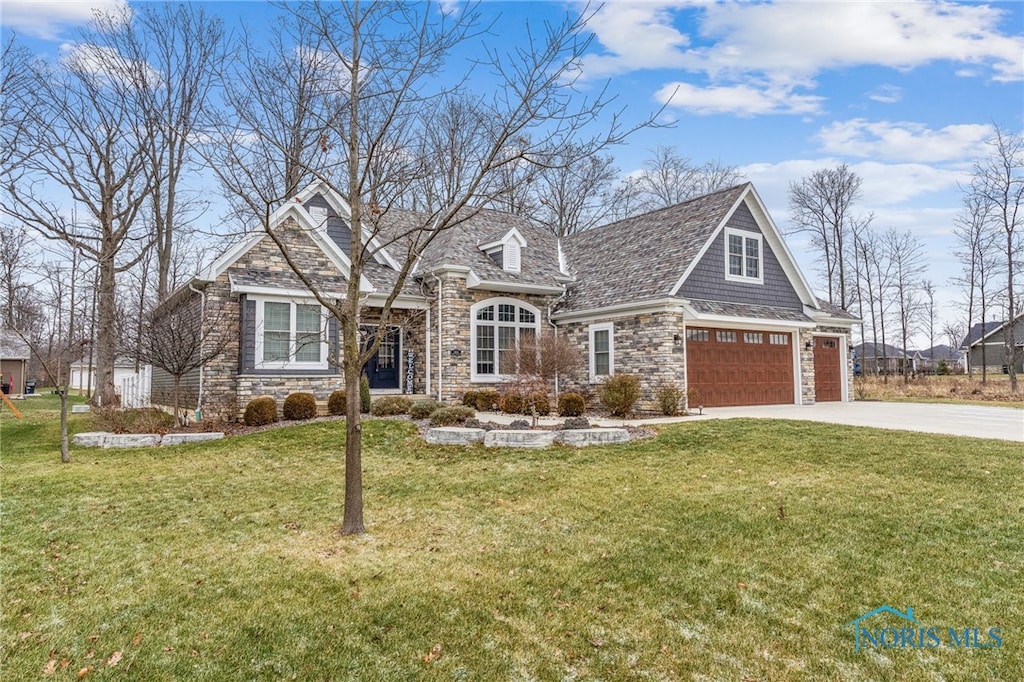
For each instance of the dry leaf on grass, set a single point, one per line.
(50, 667)
(435, 652)
(115, 658)
(84, 671)
(136, 639)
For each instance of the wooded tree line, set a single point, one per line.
(881, 273)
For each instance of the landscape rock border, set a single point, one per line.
(105, 439)
(514, 438)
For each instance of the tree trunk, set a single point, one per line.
(106, 334)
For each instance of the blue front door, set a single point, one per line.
(382, 369)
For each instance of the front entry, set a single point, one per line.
(382, 370)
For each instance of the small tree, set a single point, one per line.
(549, 357)
(180, 340)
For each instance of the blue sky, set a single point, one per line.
(906, 93)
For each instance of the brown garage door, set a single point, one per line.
(827, 371)
(739, 367)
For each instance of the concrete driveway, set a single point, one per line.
(978, 421)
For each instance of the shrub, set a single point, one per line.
(487, 400)
(619, 393)
(260, 411)
(670, 399)
(571, 405)
(364, 394)
(538, 400)
(511, 403)
(390, 405)
(469, 398)
(299, 406)
(141, 420)
(943, 367)
(576, 423)
(519, 425)
(337, 403)
(448, 416)
(422, 409)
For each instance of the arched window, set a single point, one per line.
(498, 325)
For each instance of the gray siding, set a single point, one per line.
(162, 389)
(337, 229)
(707, 281)
(247, 346)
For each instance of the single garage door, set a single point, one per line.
(739, 367)
(828, 373)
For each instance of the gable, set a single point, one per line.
(707, 279)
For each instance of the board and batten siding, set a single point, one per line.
(707, 281)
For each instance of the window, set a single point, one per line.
(697, 335)
(290, 335)
(725, 337)
(743, 256)
(778, 339)
(753, 337)
(828, 343)
(499, 327)
(602, 347)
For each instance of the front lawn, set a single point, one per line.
(720, 550)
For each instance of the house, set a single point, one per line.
(83, 375)
(985, 345)
(14, 357)
(929, 360)
(881, 358)
(704, 296)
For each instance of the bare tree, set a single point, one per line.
(976, 250)
(906, 253)
(999, 183)
(14, 255)
(577, 196)
(821, 206)
(180, 340)
(928, 292)
(669, 178)
(181, 48)
(85, 142)
(548, 356)
(382, 59)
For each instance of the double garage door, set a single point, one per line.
(739, 367)
(748, 367)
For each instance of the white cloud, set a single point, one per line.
(104, 64)
(740, 100)
(636, 35)
(904, 141)
(886, 94)
(46, 18)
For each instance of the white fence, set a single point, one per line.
(136, 389)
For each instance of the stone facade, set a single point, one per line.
(456, 333)
(805, 346)
(644, 344)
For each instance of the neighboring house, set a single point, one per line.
(83, 376)
(704, 295)
(928, 360)
(881, 358)
(14, 357)
(986, 345)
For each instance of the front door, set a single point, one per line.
(828, 370)
(382, 369)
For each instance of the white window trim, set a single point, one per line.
(610, 328)
(746, 235)
(259, 362)
(474, 377)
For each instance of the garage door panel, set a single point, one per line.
(740, 372)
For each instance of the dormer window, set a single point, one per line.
(507, 253)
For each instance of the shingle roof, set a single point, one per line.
(978, 331)
(12, 347)
(460, 245)
(746, 310)
(834, 310)
(642, 258)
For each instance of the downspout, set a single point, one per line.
(554, 327)
(202, 366)
(440, 357)
(427, 369)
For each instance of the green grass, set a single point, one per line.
(720, 550)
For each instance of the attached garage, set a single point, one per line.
(726, 367)
(828, 370)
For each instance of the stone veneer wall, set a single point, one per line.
(644, 345)
(804, 337)
(456, 301)
(225, 391)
